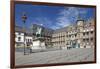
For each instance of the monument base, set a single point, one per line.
(38, 44)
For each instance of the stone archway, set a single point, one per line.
(74, 44)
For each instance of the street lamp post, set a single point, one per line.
(24, 17)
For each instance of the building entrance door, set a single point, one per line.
(74, 44)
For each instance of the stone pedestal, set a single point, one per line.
(38, 43)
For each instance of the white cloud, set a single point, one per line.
(65, 17)
(69, 15)
(54, 27)
(63, 21)
(44, 21)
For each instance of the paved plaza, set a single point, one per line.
(57, 56)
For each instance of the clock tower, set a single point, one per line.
(80, 26)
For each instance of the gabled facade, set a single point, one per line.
(80, 35)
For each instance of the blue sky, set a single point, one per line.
(54, 17)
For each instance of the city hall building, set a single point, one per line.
(79, 35)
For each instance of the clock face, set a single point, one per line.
(80, 23)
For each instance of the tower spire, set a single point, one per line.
(78, 17)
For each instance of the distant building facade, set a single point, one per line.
(22, 37)
(80, 35)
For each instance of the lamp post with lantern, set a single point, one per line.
(24, 18)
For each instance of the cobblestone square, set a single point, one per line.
(57, 56)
